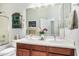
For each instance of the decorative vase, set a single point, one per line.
(42, 36)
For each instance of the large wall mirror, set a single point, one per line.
(51, 17)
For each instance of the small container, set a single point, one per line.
(17, 37)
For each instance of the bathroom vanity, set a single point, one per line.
(44, 48)
(39, 50)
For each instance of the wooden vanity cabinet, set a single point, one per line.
(38, 50)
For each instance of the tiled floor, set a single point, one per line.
(8, 52)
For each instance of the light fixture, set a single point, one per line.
(39, 5)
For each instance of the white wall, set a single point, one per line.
(10, 8)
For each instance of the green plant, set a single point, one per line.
(43, 31)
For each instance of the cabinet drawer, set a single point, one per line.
(52, 54)
(23, 46)
(65, 51)
(40, 48)
(38, 53)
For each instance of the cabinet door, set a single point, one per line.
(38, 53)
(23, 52)
(64, 51)
(19, 52)
(4, 30)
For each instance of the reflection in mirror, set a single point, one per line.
(50, 17)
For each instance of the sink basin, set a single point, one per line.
(46, 38)
(49, 38)
(35, 37)
(38, 38)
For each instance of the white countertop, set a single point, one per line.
(53, 43)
